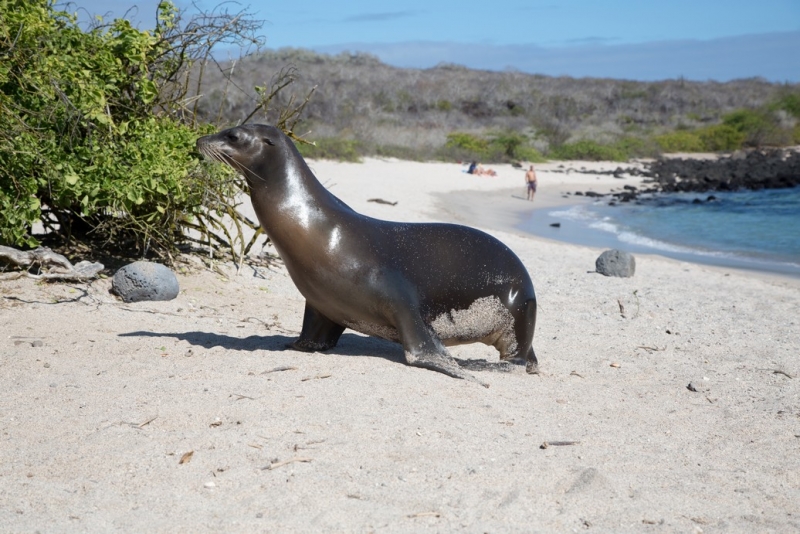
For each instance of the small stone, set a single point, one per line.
(37, 343)
(616, 263)
(615, 365)
(209, 485)
(47, 366)
(697, 387)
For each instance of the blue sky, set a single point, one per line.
(632, 39)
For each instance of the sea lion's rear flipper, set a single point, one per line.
(319, 333)
(424, 349)
(524, 325)
(442, 363)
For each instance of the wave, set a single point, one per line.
(592, 220)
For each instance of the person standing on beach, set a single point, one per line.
(530, 179)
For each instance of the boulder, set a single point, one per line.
(616, 263)
(144, 280)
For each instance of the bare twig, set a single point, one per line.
(276, 465)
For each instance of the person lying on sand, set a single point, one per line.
(477, 169)
(481, 171)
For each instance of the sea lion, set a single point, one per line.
(423, 285)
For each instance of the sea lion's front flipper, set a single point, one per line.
(319, 333)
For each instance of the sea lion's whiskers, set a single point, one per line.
(218, 155)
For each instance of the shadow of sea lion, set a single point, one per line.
(349, 344)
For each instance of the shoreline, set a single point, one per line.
(498, 212)
(507, 210)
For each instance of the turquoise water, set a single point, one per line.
(748, 229)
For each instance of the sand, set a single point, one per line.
(190, 416)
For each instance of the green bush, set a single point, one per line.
(529, 154)
(588, 150)
(680, 141)
(497, 147)
(507, 143)
(789, 103)
(758, 126)
(638, 147)
(467, 142)
(92, 136)
(721, 137)
(718, 138)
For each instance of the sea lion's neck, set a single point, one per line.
(297, 208)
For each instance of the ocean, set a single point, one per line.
(758, 230)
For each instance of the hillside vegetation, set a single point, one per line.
(362, 106)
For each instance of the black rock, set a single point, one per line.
(144, 280)
(754, 169)
(757, 169)
(616, 263)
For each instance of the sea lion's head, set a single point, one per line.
(256, 151)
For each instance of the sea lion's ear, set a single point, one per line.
(268, 141)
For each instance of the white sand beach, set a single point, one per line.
(190, 416)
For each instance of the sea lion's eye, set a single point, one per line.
(268, 141)
(233, 137)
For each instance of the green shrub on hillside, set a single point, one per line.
(468, 143)
(757, 126)
(680, 141)
(588, 150)
(790, 103)
(638, 147)
(720, 138)
(529, 154)
(508, 142)
(497, 147)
